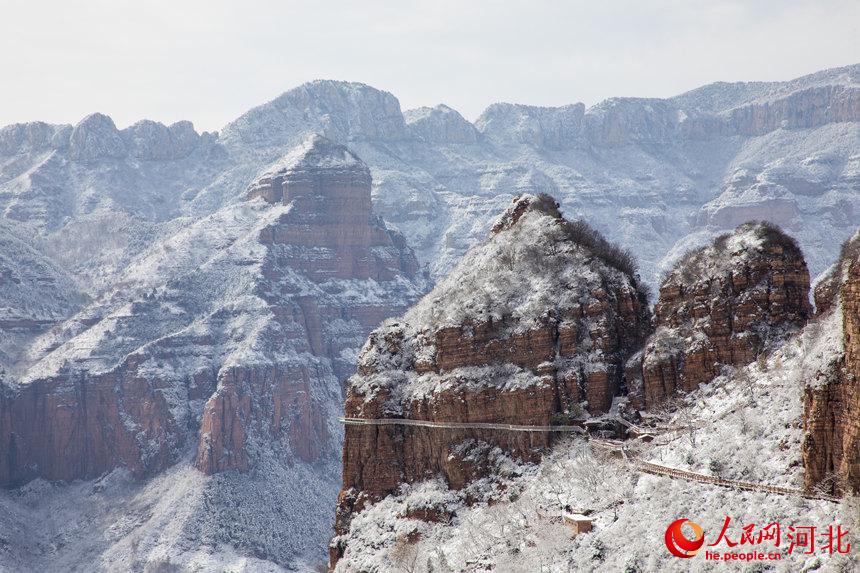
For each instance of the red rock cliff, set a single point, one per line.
(73, 426)
(330, 233)
(831, 449)
(720, 306)
(532, 327)
(238, 352)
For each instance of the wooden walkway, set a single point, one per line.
(661, 470)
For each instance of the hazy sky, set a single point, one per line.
(210, 60)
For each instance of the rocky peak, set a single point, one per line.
(342, 111)
(151, 140)
(27, 137)
(327, 235)
(722, 305)
(317, 152)
(328, 189)
(532, 326)
(317, 158)
(439, 124)
(96, 137)
(523, 204)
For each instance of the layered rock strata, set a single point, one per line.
(831, 448)
(720, 306)
(233, 336)
(532, 327)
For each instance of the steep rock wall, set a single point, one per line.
(831, 449)
(238, 352)
(720, 306)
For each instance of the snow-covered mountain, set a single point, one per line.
(133, 260)
(657, 176)
(220, 349)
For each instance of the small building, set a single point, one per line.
(577, 523)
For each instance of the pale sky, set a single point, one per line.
(208, 61)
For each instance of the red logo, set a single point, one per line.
(678, 544)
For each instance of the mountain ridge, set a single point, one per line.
(150, 227)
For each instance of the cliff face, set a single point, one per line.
(533, 326)
(330, 232)
(331, 236)
(831, 450)
(623, 121)
(76, 426)
(720, 306)
(233, 332)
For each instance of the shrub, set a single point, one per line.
(772, 233)
(585, 235)
(715, 467)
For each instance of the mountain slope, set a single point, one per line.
(532, 327)
(221, 348)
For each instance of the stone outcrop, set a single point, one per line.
(331, 226)
(155, 141)
(831, 448)
(238, 352)
(329, 233)
(720, 306)
(96, 137)
(532, 327)
(270, 405)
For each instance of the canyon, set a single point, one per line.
(227, 342)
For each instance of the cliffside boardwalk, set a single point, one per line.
(458, 425)
(639, 465)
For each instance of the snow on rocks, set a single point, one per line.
(532, 325)
(722, 305)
